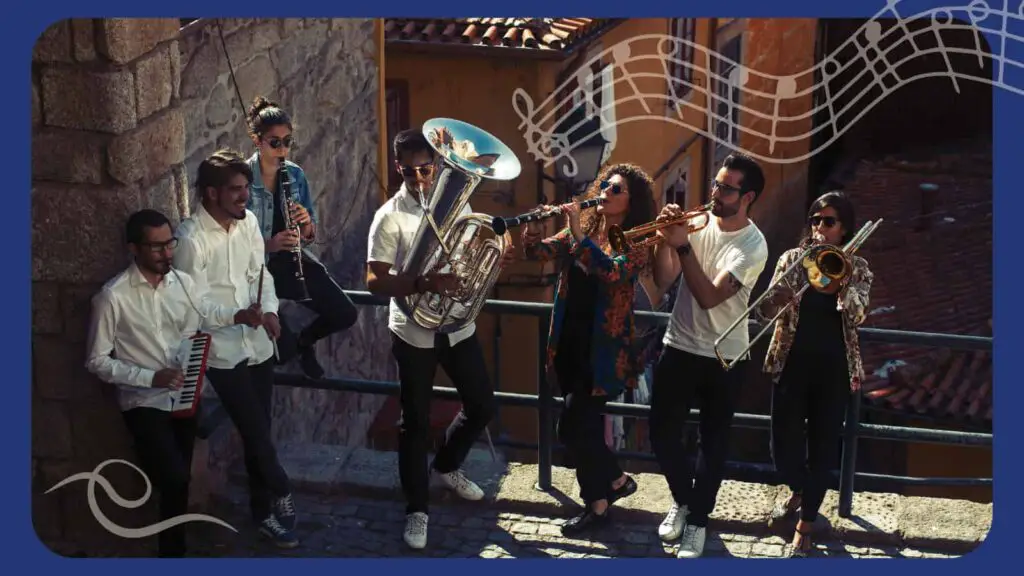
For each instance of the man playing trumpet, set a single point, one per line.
(719, 264)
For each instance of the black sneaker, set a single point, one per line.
(284, 510)
(310, 366)
(279, 535)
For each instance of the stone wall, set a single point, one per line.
(122, 112)
(324, 73)
(107, 139)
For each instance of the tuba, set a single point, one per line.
(450, 239)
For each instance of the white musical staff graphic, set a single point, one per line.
(95, 478)
(870, 64)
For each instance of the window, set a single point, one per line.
(677, 186)
(396, 102)
(726, 99)
(680, 62)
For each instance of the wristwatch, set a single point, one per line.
(683, 250)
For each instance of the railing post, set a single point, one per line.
(545, 402)
(849, 465)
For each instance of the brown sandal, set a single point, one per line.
(786, 509)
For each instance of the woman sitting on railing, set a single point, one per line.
(814, 361)
(591, 339)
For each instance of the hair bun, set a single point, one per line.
(259, 104)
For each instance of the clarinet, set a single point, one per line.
(286, 195)
(500, 224)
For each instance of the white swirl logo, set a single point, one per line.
(95, 478)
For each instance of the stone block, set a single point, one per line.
(89, 100)
(253, 40)
(76, 310)
(149, 151)
(46, 316)
(68, 156)
(258, 76)
(51, 430)
(125, 39)
(37, 106)
(200, 72)
(174, 54)
(939, 522)
(84, 33)
(289, 26)
(873, 518)
(164, 196)
(153, 83)
(77, 231)
(47, 517)
(54, 44)
(100, 434)
(58, 370)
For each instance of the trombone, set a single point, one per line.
(825, 264)
(645, 234)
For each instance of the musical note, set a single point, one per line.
(869, 64)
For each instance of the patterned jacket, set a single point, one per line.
(616, 363)
(852, 302)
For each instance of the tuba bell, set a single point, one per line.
(450, 238)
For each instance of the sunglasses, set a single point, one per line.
(613, 188)
(276, 143)
(716, 185)
(816, 221)
(422, 170)
(157, 247)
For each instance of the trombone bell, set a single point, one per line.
(825, 265)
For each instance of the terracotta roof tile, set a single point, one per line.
(523, 33)
(932, 260)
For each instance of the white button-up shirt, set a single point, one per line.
(137, 329)
(391, 236)
(229, 262)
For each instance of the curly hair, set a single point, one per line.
(264, 114)
(642, 207)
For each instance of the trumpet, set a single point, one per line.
(500, 224)
(825, 265)
(645, 234)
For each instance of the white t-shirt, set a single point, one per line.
(744, 253)
(392, 233)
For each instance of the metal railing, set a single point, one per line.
(545, 402)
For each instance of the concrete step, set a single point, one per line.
(881, 519)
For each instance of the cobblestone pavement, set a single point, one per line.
(352, 527)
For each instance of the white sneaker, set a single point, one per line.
(692, 545)
(415, 534)
(672, 526)
(457, 482)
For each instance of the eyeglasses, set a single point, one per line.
(816, 221)
(422, 170)
(160, 246)
(276, 143)
(725, 188)
(614, 188)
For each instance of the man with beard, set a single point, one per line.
(221, 244)
(720, 265)
(140, 319)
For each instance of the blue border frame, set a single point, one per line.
(25, 23)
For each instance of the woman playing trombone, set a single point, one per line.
(590, 343)
(815, 364)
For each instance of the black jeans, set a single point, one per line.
(164, 446)
(464, 364)
(814, 388)
(680, 378)
(335, 311)
(246, 393)
(581, 431)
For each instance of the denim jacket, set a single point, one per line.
(261, 200)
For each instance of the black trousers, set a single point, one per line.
(464, 364)
(581, 431)
(813, 388)
(246, 393)
(164, 446)
(335, 310)
(682, 380)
